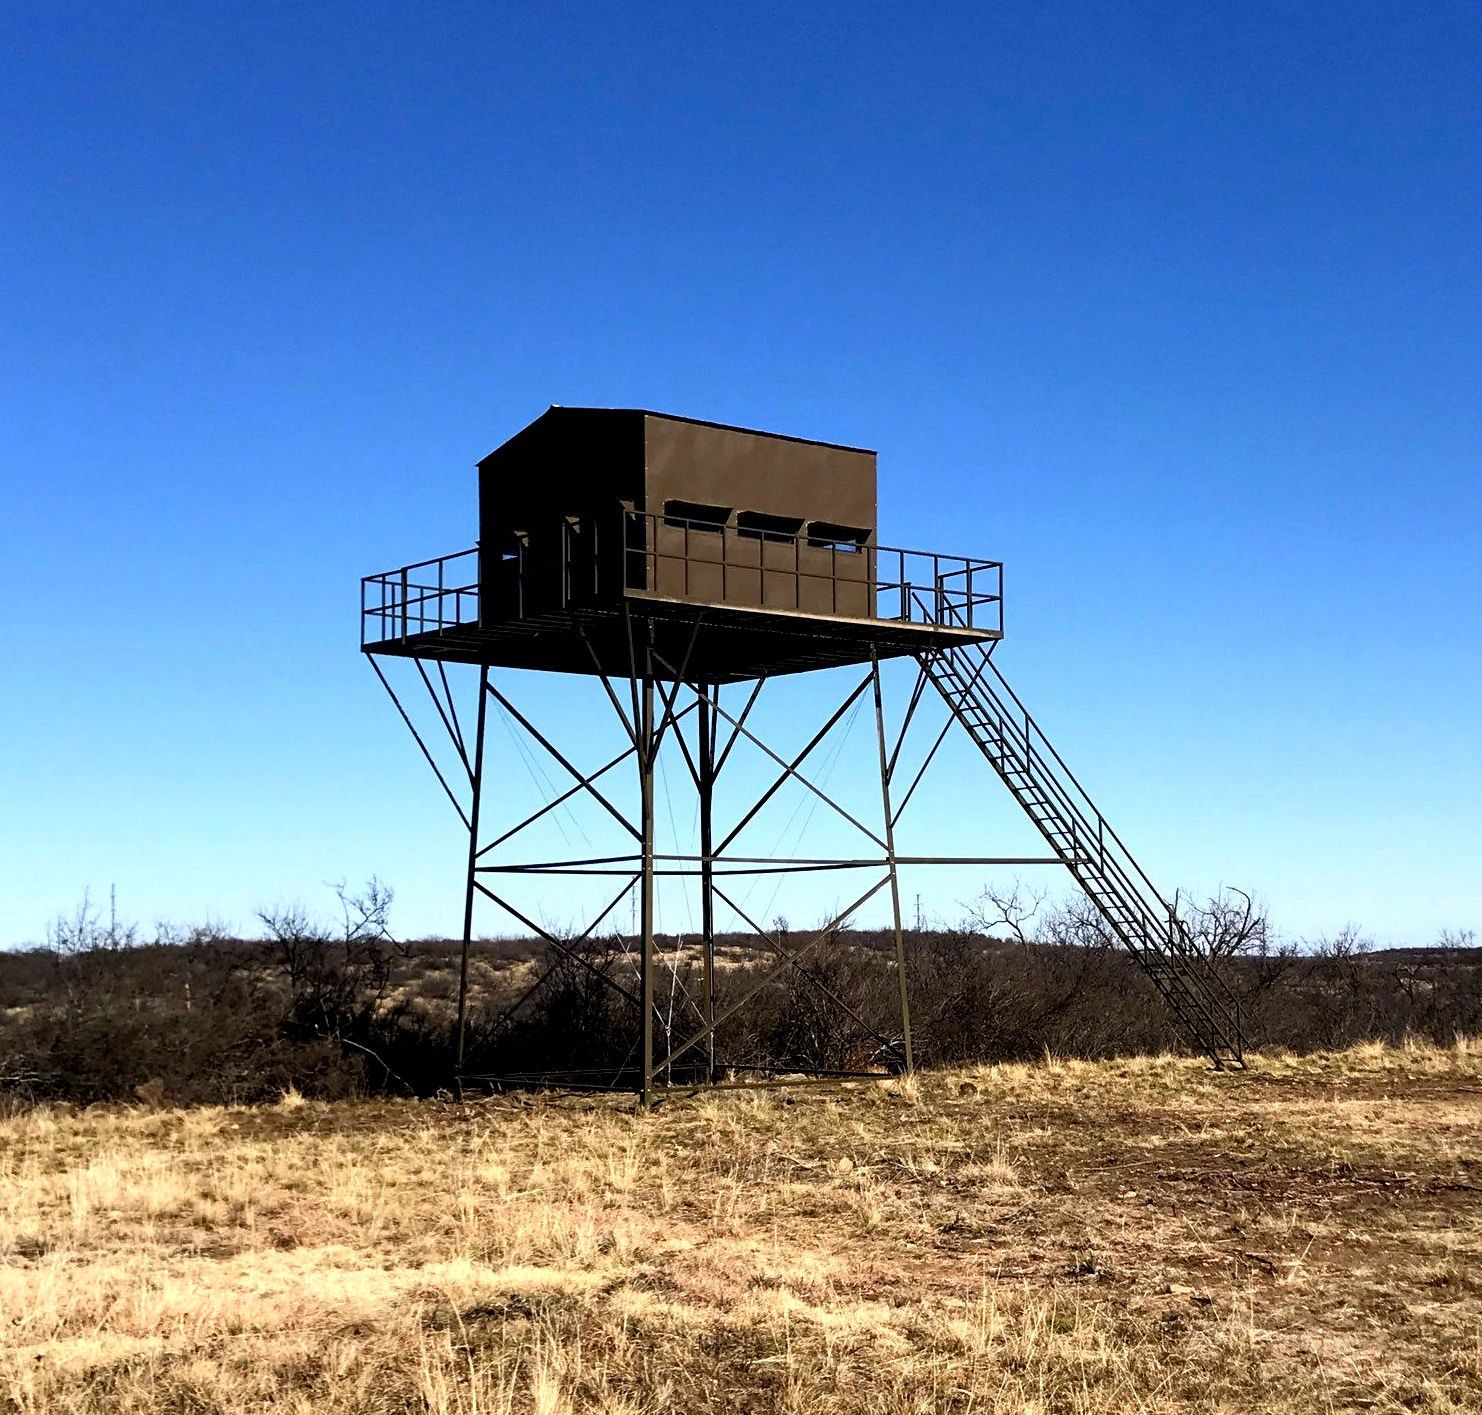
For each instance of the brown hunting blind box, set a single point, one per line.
(587, 506)
(594, 519)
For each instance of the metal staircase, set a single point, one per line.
(1038, 778)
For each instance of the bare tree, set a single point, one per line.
(1077, 923)
(1229, 924)
(1348, 943)
(1012, 911)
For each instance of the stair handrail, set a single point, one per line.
(1113, 865)
(1156, 917)
(1099, 825)
(1179, 940)
(1204, 983)
(1094, 825)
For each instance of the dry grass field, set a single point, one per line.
(1129, 1236)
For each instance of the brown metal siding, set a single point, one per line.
(561, 485)
(751, 471)
(754, 471)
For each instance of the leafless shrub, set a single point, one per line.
(1025, 976)
(832, 1009)
(337, 977)
(84, 931)
(334, 1007)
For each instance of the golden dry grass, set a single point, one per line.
(1137, 1236)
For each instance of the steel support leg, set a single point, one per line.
(646, 811)
(706, 729)
(890, 857)
(476, 779)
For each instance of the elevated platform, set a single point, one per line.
(431, 610)
(719, 644)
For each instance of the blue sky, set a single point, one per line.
(1174, 309)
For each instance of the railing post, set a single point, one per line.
(404, 605)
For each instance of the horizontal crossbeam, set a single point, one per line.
(753, 865)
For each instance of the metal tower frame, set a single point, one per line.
(661, 696)
(669, 557)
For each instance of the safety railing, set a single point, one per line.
(730, 565)
(667, 558)
(422, 598)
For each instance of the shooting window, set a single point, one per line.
(761, 525)
(696, 515)
(828, 535)
(508, 544)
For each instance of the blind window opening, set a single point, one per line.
(828, 535)
(761, 525)
(696, 515)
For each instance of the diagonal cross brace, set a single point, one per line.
(768, 977)
(508, 1013)
(790, 769)
(571, 791)
(417, 737)
(585, 782)
(560, 946)
(806, 973)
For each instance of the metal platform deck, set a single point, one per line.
(719, 644)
